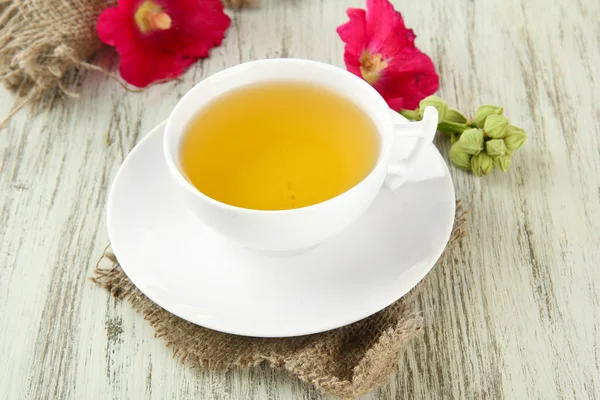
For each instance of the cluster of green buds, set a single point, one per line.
(480, 143)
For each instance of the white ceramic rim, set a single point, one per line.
(361, 84)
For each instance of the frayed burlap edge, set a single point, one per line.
(346, 362)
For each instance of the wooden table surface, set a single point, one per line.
(514, 313)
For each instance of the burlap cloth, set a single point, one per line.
(346, 362)
(43, 43)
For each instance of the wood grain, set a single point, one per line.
(514, 313)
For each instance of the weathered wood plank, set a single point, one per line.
(513, 313)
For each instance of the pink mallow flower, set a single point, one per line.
(159, 39)
(381, 50)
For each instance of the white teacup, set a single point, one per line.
(301, 228)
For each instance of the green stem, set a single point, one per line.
(451, 127)
(410, 115)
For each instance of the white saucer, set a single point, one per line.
(192, 272)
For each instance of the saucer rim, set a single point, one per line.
(251, 333)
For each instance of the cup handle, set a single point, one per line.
(424, 131)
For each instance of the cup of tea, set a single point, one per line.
(279, 155)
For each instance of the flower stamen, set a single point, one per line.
(151, 17)
(371, 66)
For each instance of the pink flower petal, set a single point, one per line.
(130, 6)
(410, 60)
(354, 34)
(144, 66)
(383, 22)
(198, 25)
(411, 86)
(111, 24)
(395, 103)
(410, 74)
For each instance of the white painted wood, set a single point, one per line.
(514, 313)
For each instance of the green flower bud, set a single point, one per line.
(471, 141)
(495, 147)
(436, 102)
(459, 158)
(515, 137)
(503, 162)
(495, 126)
(453, 138)
(455, 116)
(485, 111)
(482, 164)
